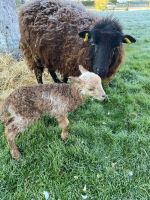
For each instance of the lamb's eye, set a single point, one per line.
(91, 89)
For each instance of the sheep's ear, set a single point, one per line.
(74, 79)
(82, 69)
(128, 39)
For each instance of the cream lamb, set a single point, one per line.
(29, 103)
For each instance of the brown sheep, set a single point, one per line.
(28, 104)
(60, 35)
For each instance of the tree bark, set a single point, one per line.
(9, 27)
(22, 1)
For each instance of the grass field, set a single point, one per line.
(108, 150)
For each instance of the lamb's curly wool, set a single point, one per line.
(27, 104)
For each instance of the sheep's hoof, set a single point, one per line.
(64, 135)
(15, 154)
(58, 81)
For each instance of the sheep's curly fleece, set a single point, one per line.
(49, 35)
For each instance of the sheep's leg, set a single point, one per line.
(38, 73)
(54, 76)
(63, 124)
(65, 79)
(10, 136)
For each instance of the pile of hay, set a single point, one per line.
(14, 74)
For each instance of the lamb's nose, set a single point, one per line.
(104, 96)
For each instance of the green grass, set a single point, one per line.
(107, 140)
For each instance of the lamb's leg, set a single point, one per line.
(54, 76)
(38, 73)
(10, 136)
(63, 124)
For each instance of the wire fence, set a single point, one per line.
(106, 4)
(116, 5)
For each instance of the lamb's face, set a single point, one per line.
(90, 85)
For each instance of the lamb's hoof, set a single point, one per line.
(15, 154)
(64, 136)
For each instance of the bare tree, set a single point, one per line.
(9, 27)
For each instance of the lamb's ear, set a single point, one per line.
(82, 69)
(86, 35)
(74, 79)
(128, 39)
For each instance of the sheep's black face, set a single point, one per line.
(103, 47)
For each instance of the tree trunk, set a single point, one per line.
(9, 27)
(22, 1)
